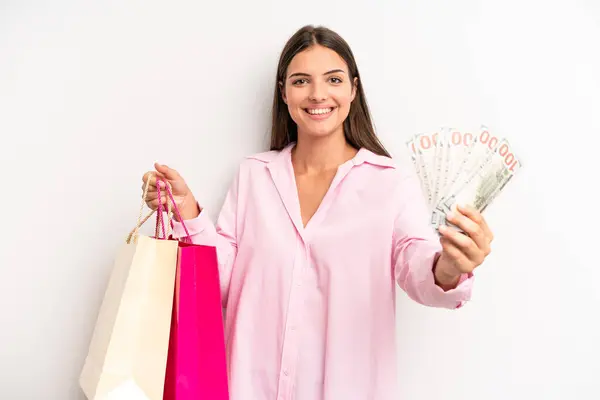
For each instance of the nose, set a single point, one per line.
(318, 91)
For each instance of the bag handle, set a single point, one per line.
(134, 233)
(176, 209)
(159, 218)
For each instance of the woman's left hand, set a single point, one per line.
(462, 252)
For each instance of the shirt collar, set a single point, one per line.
(362, 156)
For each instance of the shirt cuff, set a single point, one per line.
(459, 294)
(194, 226)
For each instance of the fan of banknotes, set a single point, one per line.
(461, 167)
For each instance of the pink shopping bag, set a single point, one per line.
(196, 364)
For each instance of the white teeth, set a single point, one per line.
(316, 111)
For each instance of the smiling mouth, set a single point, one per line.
(319, 111)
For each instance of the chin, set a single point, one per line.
(319, 129)
(318, 132)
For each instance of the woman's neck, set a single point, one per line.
(314, 155)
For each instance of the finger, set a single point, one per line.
(151, 188)
(462, 242)
(152, 192)
(152, 185)
(154, 202)
(151, 175)
(461, 262)
(478, 218)
(470, 227)
(167, 172)
(150, 196)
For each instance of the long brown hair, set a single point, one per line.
(358, 128)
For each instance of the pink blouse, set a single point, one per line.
(310, 311)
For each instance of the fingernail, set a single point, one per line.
(450, 215)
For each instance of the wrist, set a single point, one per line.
(189, 209)
(445, 275)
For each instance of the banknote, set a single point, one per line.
(425, 145)
(477, 154)
(416, 161)
(440, 165)
(488, 179)
(452, 152)
(459, 145)
(461, 166)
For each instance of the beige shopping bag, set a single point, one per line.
(128, 351)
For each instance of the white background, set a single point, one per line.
(92, 95)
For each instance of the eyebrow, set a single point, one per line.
(326, 73)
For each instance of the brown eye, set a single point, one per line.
(335, 80)
(299, 82)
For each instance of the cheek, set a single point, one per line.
(294, 98)
(344, 102)
(294, 109)
(343, 98)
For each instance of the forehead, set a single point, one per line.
(316, 60)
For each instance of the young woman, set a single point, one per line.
(314, 235)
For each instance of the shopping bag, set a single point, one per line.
(196, 366)
(128, 351)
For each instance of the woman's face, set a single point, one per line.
(318, 91)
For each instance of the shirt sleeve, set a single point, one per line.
(416, 248)
(222, 235)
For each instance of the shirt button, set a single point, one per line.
(285, 372)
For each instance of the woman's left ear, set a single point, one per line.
(282, 91)
(354, 88)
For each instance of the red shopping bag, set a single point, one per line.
(196, 364)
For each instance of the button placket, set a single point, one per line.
(290, 341)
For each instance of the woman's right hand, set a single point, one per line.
(184, 199)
